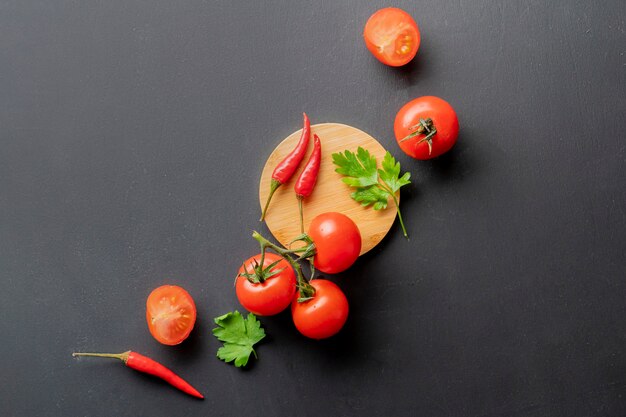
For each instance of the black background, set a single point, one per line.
(133, 134)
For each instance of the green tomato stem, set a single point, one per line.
(306, 289)
(424, 126)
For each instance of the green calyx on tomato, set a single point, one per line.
(260, 273)
(305, 290)
(426, 127)
(271, 295)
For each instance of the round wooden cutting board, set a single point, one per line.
(330, 193)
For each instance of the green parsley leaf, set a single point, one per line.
(374, 186)
(390, 174)
(239, 336)
(359, 169)
(371, 195)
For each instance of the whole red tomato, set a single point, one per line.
(392, 36)
(274, 293)
(426, 127)
(337, 242)
(323, 315)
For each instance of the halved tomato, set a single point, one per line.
(171, 314)
(392, 36)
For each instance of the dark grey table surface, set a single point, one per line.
(133, 134)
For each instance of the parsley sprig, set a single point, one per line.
(374, 186)
(239, 335)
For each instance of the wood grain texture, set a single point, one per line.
(330, 193)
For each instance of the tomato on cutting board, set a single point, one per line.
(171, 314)
(337, 242)
(265, 289)
(426, 127)
(323, 315)
(392, 36)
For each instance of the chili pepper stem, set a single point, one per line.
(300, 198)
(121, 356)
(273, 187)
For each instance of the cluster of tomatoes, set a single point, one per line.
(269, 282)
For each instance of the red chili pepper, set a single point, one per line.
(146, 365)
(287, 167)
(308, 177)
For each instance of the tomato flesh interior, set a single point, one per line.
(392, 36)
(171, 314)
